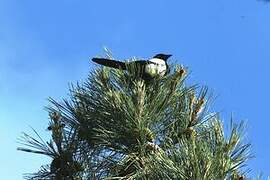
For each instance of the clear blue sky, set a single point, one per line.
(44, 45)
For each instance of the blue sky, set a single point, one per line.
(44, 45)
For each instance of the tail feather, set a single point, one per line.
(110, 63)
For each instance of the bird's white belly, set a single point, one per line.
(158, 68)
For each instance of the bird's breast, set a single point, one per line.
(156, 67)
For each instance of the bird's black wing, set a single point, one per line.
(110, 63)
(140, 62)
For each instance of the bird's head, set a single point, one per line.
(162, 56)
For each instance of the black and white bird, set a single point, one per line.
(147, 69)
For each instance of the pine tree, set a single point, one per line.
(115, 126)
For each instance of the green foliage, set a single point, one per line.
(117, 126)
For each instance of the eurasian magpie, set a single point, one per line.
(146, 69)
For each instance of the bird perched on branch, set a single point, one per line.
(146, 69)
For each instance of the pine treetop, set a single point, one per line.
(115, 126)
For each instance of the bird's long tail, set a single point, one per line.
(110, 63)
